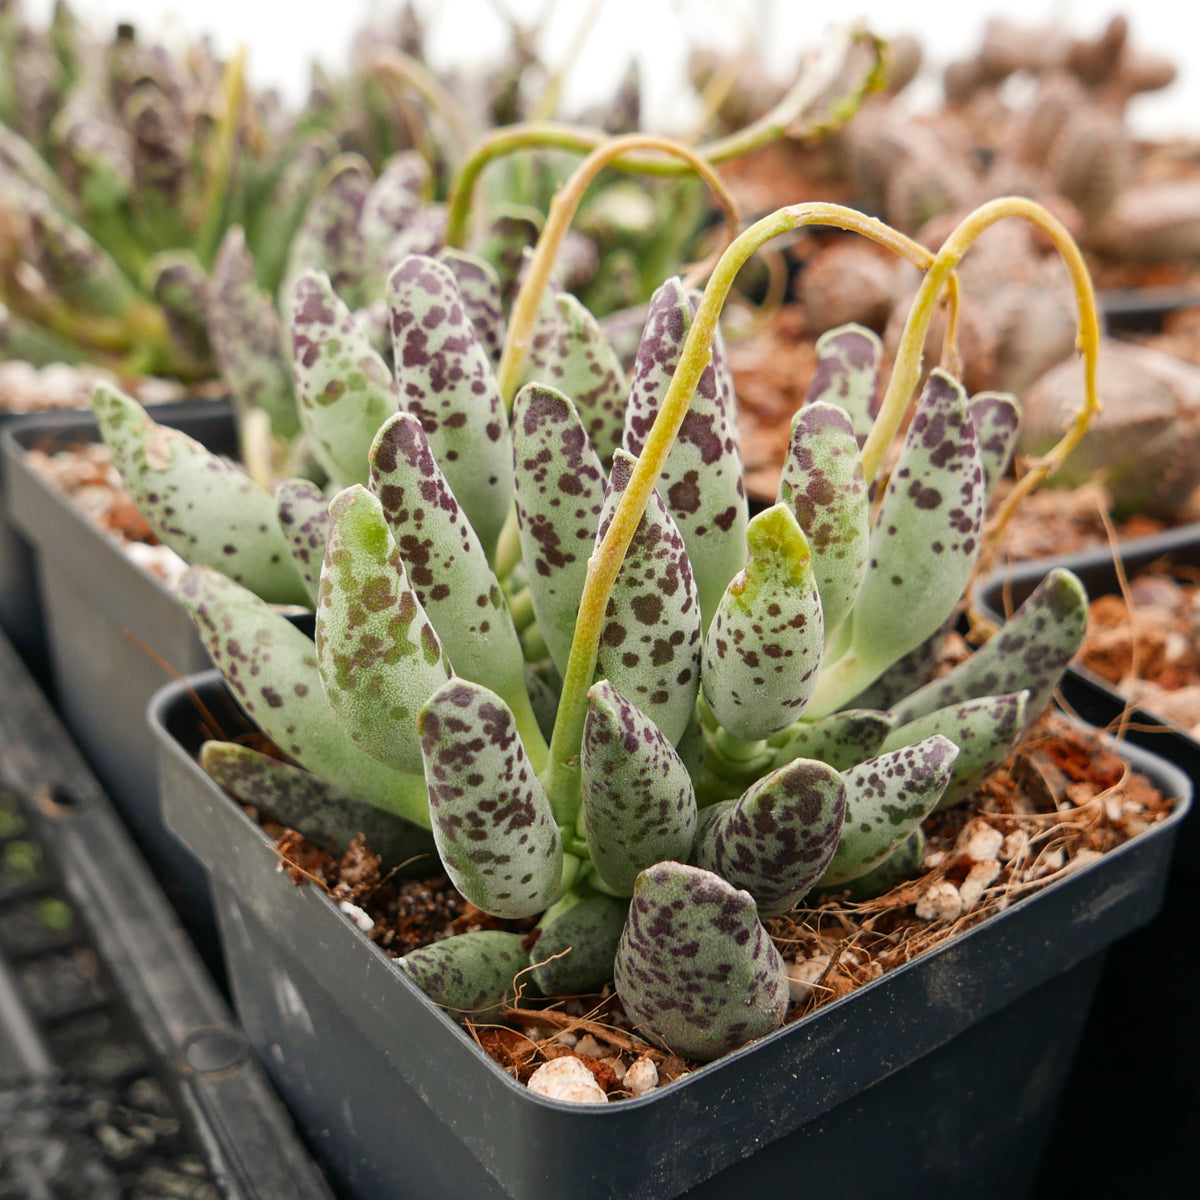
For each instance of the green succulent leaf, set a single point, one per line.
(695, 968)
(271, 667)
(577, 945)
(887, 797)
(847, 375)
(701, 482)
(303, 512)
(763, 647)
(446, 381)
(822, 483)
(776, 840)
(202, 506)
(650, 645)
(379, 655)
(639, 806)
(179, 286)
(559, 487)
(492, 823)
(997, 419)
(909, 673)
(905, 862)
(923, 545)
(841, 739)
(247, 338)
(471, 974)
(446, 564)
(327, 817)
(570, 353)
(479, 286)
(344, 388)
(1029, 652)
(389, 206)
(984, 730)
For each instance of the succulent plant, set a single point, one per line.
(550, 638)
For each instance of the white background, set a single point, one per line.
(284, 39)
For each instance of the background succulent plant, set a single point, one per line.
(628, 711)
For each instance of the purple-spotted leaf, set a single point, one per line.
(424, 234)
(247, 338)
(445, 561)
(822, 483)
(763, 647)
(907, 674)
(471, 974)
(887, 797)
(984, 730)
(841, 739)
(389, 206)
(997, 418)
(506, 245)
(491, 820)
(344, 388)
(179, 286)
(570, 353)
(923, 545)
(906, 861)
(379, 655)
(576, 947)
(776, 840)
(650, 646)
(701, 482)
(559, 488)
(328, 239)
(315, 808)
(303, 511)
(271, 667)
(695, 969)
(446, 381)
(847, 375)
(479, 286)
(202, 506)
(639, 806)
(1029, 652)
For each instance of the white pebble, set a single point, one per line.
(568, 1079)
(979, 841)
(642, 1077)
(566, 1037)
(939, 902)
(802, 976)
(359, 916)
(589, 1046)
(1013, 846)
(979, 877)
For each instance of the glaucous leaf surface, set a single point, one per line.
(575, 949)
(841, 739)
(847, 375)
(479, 286)
(303, 512)
(471, 974)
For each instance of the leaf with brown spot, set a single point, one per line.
(847, 375)
(471, 974)
(303, 511)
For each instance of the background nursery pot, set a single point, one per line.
(372, 1071)
(94, 597)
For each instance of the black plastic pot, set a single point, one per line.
(120, 1065)
(95, 602)
(938, 1079)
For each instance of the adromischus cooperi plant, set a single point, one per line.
(549, 638)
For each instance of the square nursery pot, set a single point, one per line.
(938, 1079)
(93, 597)
(1153, 1153)
(121, 1068)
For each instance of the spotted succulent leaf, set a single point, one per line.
(315, 808)
(492, 822)
(984, 730)
(650, 645)
(763, 648)
(639, 806)
(569, 352)
(1029, 652)
(847, 375)
(471, 974)
(247, 338)
(271, 667)
(822, 483)
(887, 797)
(695, 968)
(379, 655)
(479, 286)
(908, 673)
(701, 482)
(906, 861)
(344, 388)
(445, 562)
(841, 739)
(559, 487)
(303, 512)
(446, 381)
(389, 206)
(575, 949)
(776, 840)
(997, 419)
(201, 505)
